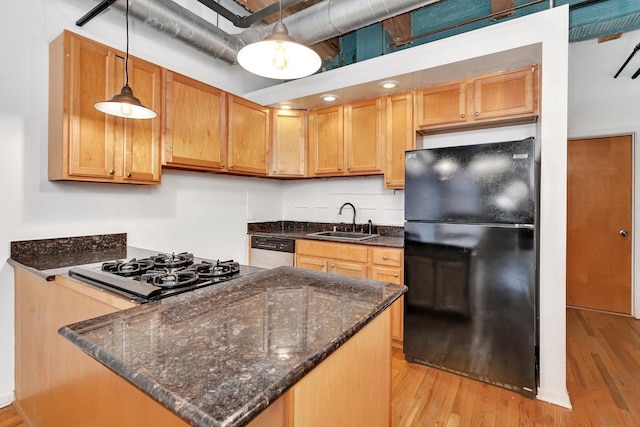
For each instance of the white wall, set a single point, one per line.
(602, 106)
(203, 213)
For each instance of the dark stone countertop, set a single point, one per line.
(390, 236)
(219, 355)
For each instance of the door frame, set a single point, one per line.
(635, 192)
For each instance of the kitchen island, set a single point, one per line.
(316, 343)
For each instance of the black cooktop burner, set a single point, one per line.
(182, 259)
(133, 267)
(170, 279)
(159, 276)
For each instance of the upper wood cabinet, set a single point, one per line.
(400, 137)
(347, 139)
(326, 141)
(86, 144)
(497, 99)
(364, 136)
(289, 145)
(194, 124)
(249, 135)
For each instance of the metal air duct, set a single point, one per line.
(314, 24)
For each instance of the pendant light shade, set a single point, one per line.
(279, 56)
(125, 104)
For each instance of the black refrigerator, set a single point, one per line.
(470, 241)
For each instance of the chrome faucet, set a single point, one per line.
(354, 214)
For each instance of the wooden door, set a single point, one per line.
(91, 136)
(142, 160)
(326, 141)
(363, 136)
(347, 268)
(441, 105)
(503, 94)
(249, 135)
(311, 263)
(289, 143)
(599, 218)
(400, 137)
(194, 123)
(392, 275)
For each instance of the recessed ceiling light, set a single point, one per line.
(388, 84)
(329, 97)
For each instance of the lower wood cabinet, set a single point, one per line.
(371, 262)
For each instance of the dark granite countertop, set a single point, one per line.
(390, 236)
(220, 355)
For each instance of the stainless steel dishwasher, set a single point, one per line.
(272, 251)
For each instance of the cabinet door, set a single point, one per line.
(91, 136)
(312, 263)
(347, 268)
(289, 143)
(392, 275)
(504, 94)
(326, 141)
(441, 105)
(249, 135)
(142, 137)
(400, 137)
(194, 123)
(364, 137)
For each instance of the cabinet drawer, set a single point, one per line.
(386, 256)
(342, 251)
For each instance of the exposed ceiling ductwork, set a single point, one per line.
(314, 24)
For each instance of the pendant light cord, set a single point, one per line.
(126, 58)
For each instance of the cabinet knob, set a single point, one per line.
(476, 114)
(111, 172)
(395, 275)
(230, 166)
(349, 168)
(384, 257)
(388, 181)
(221, 165)
(128, 174)
(462, 116)
(275, 171)
(333, 265)
(339, 169)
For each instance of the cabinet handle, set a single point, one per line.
(275, 171)
(230, 166)
(476, 114)
(333, 265)
(111, 172)
(339, 169)
(384, 257)
(349, 168)
(395, 275)
(221, 165)
(462, 116)
(128, 174)
(388, 182)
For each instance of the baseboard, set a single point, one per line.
(6, 399)
(554, 398)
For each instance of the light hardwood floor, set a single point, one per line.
(603, 378)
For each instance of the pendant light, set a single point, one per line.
(125, 104)
(279, 56)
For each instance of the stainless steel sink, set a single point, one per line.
(342, 235)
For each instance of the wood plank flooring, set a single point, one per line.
(603, 378)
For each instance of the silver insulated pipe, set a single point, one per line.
(314, 24)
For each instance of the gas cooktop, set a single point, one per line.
(158, 276)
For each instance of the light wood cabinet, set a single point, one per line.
(364, 136)
(339, 258)
(288, 149)
(86, 144)
(347, 139)
(400, 137)
(387, 265)
(194, 124)
(326, 141)
(378, 263)
(249, 136)
(497, 99)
